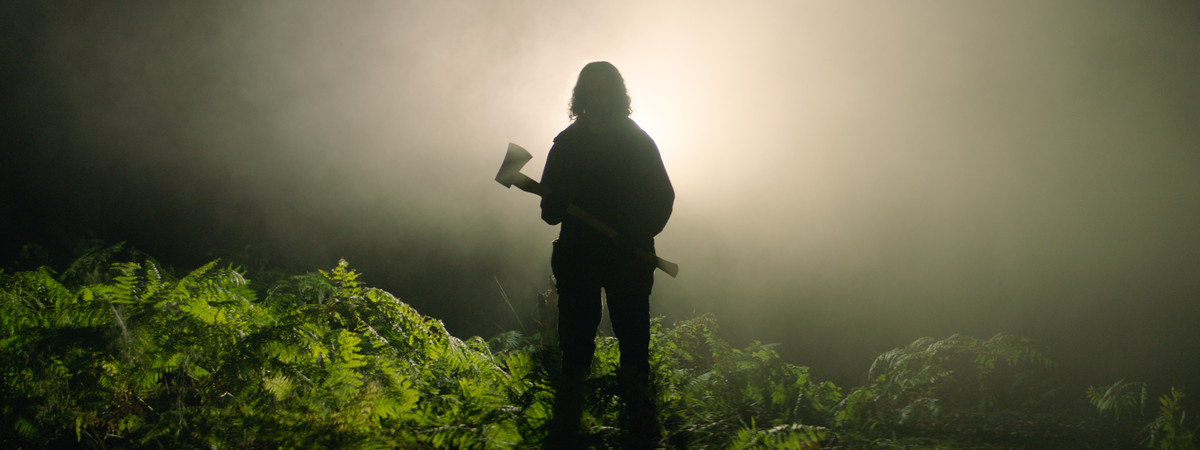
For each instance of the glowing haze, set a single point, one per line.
(850, 176)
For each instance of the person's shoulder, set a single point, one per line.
(632, 129)
(568, 133)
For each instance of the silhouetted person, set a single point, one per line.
(606, 165)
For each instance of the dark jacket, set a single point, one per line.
(610, 168)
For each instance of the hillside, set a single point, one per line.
(117, 351)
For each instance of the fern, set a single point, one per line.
(915, 384)
(127, 354)
(1169, 429)
(1118, 398)
(792, 437)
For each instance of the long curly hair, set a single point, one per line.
(600, 90)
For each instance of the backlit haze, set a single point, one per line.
(850, 176)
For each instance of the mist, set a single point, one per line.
(849, 176)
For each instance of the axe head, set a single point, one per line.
(514, 160)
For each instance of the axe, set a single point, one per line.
(510, 175)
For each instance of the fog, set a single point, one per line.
(850, 176)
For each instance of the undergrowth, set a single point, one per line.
(118, 351)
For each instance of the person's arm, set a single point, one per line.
(649, 193)
(554, 204)
(660, 195)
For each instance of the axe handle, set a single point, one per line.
(524, 183)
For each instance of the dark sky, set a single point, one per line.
(850, 176)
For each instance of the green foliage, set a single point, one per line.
(128, 354)
(1168, 430)
(792, 437)
(917, 384)
(719, 391)
(1125, 399)
(1119, 399)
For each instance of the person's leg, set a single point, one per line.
(578, 309)
(630, 315)
(578, 317)
(628, 295)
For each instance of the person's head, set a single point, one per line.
(600, 90)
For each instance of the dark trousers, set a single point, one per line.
(581, 270)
